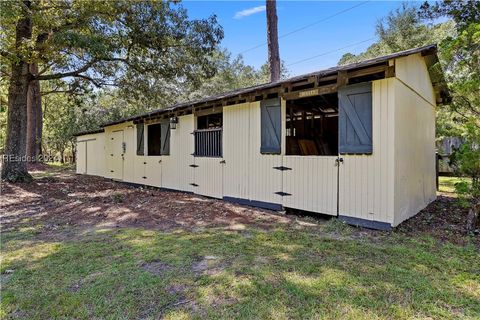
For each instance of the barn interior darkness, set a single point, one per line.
(210, 121)
(154, 132)
(312, 126)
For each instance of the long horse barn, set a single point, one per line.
(355, 141)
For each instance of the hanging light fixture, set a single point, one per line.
(173, 122)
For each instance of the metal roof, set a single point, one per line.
(89, 132)
(429, 51)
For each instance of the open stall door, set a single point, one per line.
(208, 177)
(310, 183)
(116, 155)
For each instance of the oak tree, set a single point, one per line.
(98, 42)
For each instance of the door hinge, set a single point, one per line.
(283, 194)
(223, 162)
(193, 166)
(282, 168)
(194, 184)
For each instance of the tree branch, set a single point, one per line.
(98, 85)
(44, 93)
(65, 74)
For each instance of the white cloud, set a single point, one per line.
(249, 12)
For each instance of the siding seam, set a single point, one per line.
(415, 91)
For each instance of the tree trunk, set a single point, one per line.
(74, 153)
(272, 34)
(39, 118)
(14, 166)
(34, 117)
(473, 218)
(31, 117)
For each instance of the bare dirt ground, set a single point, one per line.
(62, 198)
(58, 198)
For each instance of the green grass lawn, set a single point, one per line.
(54, 266)
(447, 184)
(285, 273)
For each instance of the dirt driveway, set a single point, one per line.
(59, 198)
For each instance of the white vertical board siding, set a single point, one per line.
(81, 156)
(139, 165)
(91, 154)
(311, 183)
(95, 156)
(415, 177)
(209, 177)
(264, 180)
(153, 171)
(236, 151)
(413, 71)
(129, 155)
(109, 151)
(117, 152)
(176, 171)
(139, 162)
(113, 146)
(366, 182)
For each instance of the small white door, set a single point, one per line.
(208, 176)
(153, 171)
(310, 183)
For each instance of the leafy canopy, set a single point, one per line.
(102, 41)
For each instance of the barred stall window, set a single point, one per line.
(208, 136)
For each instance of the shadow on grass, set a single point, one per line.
(251, 273)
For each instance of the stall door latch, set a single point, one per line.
(282, 168)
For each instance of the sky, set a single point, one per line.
(328, 29)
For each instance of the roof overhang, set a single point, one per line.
(315, 83)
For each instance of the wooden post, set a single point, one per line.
(272, 35)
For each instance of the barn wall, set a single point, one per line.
(81, 156)
(139, 162)
(236, 151)
(415, 184)
(388, 186)
(167, 171)
(311, 183)
(413, 72)
(115, 162)
(129, 156)
(366, 184)
(175, 168)
(90, 154)
(264, 180)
